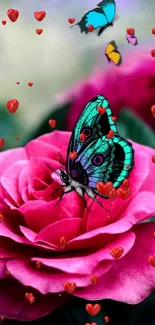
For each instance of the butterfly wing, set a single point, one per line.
(113, 54)
(95, 17)
(132, 39)
(92, 124)
(109, 9)
(99, 158)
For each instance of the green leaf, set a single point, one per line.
(132, 127)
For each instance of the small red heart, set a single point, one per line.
(101, 110)
(153, 53)
(4, 22)
(52, 123)
(110, 134)
(38, 264)
(2, 317)
(12, 105)
(1, 142)
(30, 84)
(17, 82)
(130, 31)
(151, 260)
(93, 323)
(93, 310)
(153, 31)
(39, 31)
(39, 15)
(123, 194)
(127, 166)
(116, 252)
(30, 297)
(63, 242)
(114, 118)
(1, 217)
(90, 28)
(153, 110)
(70, 286)
(106, 319)
(17, 137)
(104, 188)
(71, 20)
(13, 14)
(125, 185)
(112, 194)
(153, 159)
(94, 279)
(82, 137)
(73, 155)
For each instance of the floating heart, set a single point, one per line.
(151, 260)
(116, 252)
(70, 286)
(30, 84)
(101, 110)
(17, 82)
(1, 217)
(113, 118)
(39, 15)
(38, 264)
(73, 155)
(13, 14)
(71, 20)
(82, 137)
(123, 194)
(17, 137)
(63, 242)
(4, 22)
(93, 310)
(112, 194)
(94, 279)
(93, 323)
(104, 188)
(125, 185)
(12, 105)
(106, 319)
(110, 134)
(52, 123)
(39, 31)
(30, 297)
(127, 166)
(130, 31)
(153, 159)
(90, 28)
(153, 110)
(1, 142)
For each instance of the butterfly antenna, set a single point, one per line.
(85, 203)
(116, 18)
(51, 168)
(57, 190)
(61, 160)
(60, 198)
(101, 204)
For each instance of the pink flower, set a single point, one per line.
(129, 86)
(33, 226)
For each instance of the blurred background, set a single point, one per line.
(58, 58)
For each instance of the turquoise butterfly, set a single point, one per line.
(99, 158)
(101, 17)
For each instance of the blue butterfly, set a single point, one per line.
(98, 158)
(101, 17)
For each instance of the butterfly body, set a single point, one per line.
(98, 158)
(100, 17)
(112, 53)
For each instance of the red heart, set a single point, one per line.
(93, 310)
(17, 137)
(153, 159)
(1, 142)
(17, 82)
(71, 20)
(110, 134)
(90, 28)
(12, 105)
(94, 279)
(112, 194)
(125, 185)
(116, 252)
(127, 166)
(93, 323)
(39, 31)
(13, 14)
(30, 84)
(4, 22)
(39, 15)
(52, 123)
(1, 217)
(82, 137)
(130, 31)
(106, 319)
(113, 118)
(30, 297)
(123, 194)
(70, 286)
(153, 53)
(151, 260)
(63, 242)
(101, 110)
(104, 188)
(73, 155)
(153, 110)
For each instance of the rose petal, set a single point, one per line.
(131, 279)
(14, 305)
(12, 156)
(31, 235)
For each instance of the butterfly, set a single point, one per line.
(131, 39)
(101, 17)
(98, 158)
(112, 53)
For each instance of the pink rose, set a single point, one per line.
(32, 226)
(131, 86)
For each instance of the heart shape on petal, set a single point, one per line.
(104, 188)
(70, 286)
(124, 194)
(93, 310)
(116, 252)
